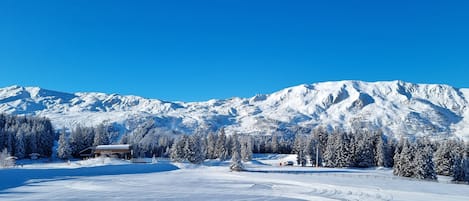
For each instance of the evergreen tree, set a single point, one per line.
(211, 146)
(236, 164)
(220, 150)
(380, 151)
(246, 148)
(299, 148)
(20, 150)
(364, 150)
(177, 152)
(274, 144)
(458, 169)
(321, 136)
(423, 165)
(330, 156)
(404, 163)
(445, 156)
(196, 152)
(101, 135)
(312, 149)
(64, 151)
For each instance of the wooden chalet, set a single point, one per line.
(116, 150)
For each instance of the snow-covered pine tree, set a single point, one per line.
(211, 146)
(20, 149)
(101, 135)
(220, 149)
(458, 169)
(345, 154)
(236, 164)
(321, 136)
(64, 151)
(423, 163)
(380, 150)
(246, 148)
(311, 149)
(177, 152)
(397, 156)
(299, 147)
(365, 149)
(466, 168)
(274, 144)
(228, 147)
(196, 153)
(330, 156)
(405, 160)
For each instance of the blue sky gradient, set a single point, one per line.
(198, 50)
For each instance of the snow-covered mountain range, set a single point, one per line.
(396, 107)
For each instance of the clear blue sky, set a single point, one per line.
(197, 50)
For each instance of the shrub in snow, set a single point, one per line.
(6, 159)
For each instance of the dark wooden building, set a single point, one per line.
(116, 150)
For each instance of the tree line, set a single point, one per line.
(24, 135)
(409, 157)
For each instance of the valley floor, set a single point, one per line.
(104, 179)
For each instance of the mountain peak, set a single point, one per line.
(396, 107)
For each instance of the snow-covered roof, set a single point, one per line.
(113, 147)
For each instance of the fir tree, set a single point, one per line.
(64, 151)
(236, 164)
(20, 150)
(220, 150)
(423, 165)
(246, 149)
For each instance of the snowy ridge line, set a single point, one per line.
(396, 107)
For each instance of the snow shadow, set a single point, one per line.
(15, 177)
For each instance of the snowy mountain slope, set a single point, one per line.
(399, 108)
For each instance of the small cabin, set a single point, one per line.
(116, 150)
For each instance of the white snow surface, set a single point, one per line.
(120, 180)
(397, 107)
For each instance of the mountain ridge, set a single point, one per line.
(398, 108)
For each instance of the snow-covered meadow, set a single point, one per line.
(106, 179)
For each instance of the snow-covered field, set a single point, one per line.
(105, 179)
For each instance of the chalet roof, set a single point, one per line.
(113, 147)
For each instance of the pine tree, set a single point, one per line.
(20, 149)
(466, 168)
(220, 150)
(423, 165)
(364, 150)
(236, 164)
(274, 144)
(211, 146)
(195, 153)
(405, 160)
(299, 147)
(246, 149)
(101, 135)
(380, 151)
(458, 169)
(177, 152)
(311, 149)
(330, 156)
(64, 151)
